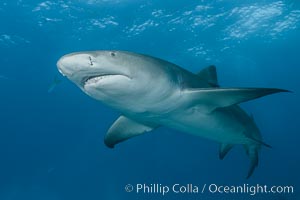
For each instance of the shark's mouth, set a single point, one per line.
(98, 78)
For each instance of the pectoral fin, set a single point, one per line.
(123, 129)
(212, 98)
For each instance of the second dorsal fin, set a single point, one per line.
(210, 75)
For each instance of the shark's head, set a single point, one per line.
(114, 75)
(101, 69)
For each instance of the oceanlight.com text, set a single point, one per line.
(164, 189)
(250, 189)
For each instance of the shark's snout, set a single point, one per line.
(66, 65)
(60, 67)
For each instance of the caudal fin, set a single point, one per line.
(252, 152)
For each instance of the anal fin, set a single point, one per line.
(224, 149)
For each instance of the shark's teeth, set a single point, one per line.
(96, 79)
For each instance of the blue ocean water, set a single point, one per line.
(51, 137)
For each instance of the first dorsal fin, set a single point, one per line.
(210, 75)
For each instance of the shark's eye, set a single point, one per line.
(91, 62)
(112, 53)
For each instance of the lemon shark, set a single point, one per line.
(151, 92)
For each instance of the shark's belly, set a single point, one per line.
(224, 126)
